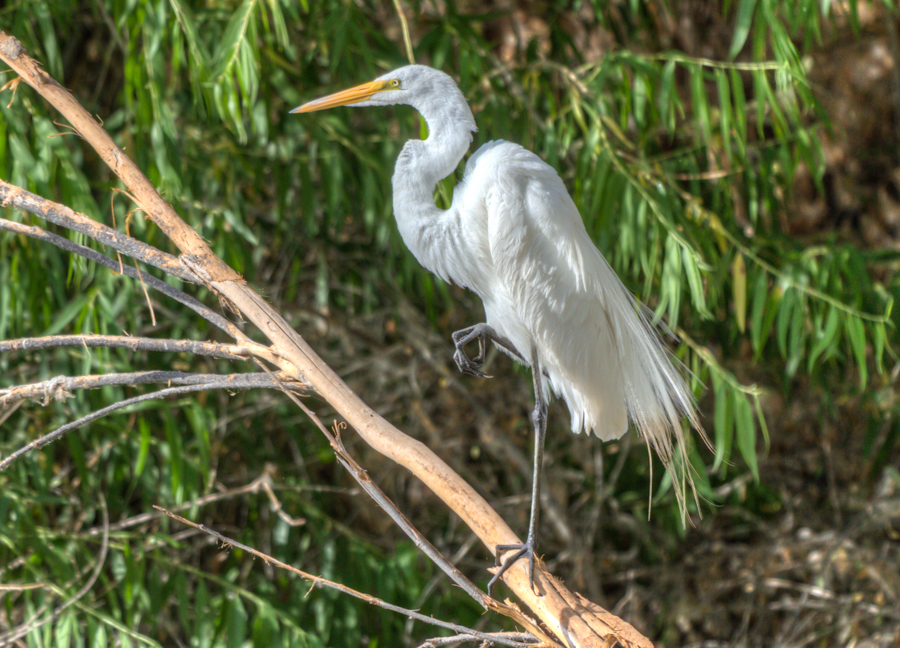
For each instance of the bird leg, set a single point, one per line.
(539, 418)
(481, 332)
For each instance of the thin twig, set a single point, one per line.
(262, 483)
(59, 388)
(65, 244)
(35, 622)
(235, 381)
(404, 27)
(13, 196)
(318, 581)
(525, 639)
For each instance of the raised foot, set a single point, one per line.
(481, 332)
(467, 365)
(526, 550)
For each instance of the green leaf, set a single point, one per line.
(723, 421)
(695, 282)
(759, 333)
(743, 22)
(855, 331)
(186, 22)
(229, 49)
(236, 622)
(75, 308)
(826, 338)
(796, 339)
(700, 103)
(745, 432)
(739, 290)
(740, 111)
(725, 110)
(789, 301)
(666, 97)
(879, 341)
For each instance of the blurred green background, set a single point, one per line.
(736, 163)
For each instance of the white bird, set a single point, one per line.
(514, 237)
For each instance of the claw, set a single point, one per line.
(468, 366)
(482, 333)
(527, 550)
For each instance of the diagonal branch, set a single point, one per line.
(498, 638)
(194, 347)
(362, 478)
(52, 390)
(63, 243)
(573, 620)
(13, 196)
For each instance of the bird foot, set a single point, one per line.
(527, 550)
(461, 338)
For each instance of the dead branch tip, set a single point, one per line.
(12, 48)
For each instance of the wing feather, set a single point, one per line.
(552, 288)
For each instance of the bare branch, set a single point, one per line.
(52, 391)
(63, 243)
(572, 619)
(194, 347)
(59, 388)
(13, 196)
(524, 639)
(500, 638)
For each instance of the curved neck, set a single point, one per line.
(424, 163)
(427, 231)
(431, 234)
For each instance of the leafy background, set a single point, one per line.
(738, 166)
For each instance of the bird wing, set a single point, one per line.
(553, 289)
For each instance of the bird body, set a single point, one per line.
(513, 235)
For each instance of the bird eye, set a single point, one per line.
(395, 83)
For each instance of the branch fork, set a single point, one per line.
(567, 618)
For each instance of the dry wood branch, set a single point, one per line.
(13, 196)
(317, 581)
(65, 244)
(194, 347)
(54, 390)
(37, 620)
(450, 641)
(60, 388)
(573, 620)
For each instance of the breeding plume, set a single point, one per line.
(551, 301)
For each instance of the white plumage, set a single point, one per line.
(514, 237)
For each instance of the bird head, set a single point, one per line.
(431, 92)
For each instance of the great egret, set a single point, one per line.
(514, 237)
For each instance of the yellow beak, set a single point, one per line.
(345, 97)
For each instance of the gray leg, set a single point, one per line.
(481, 332)
(527, 550)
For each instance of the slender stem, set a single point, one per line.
(498, 638)
(194, 347)
(170, 291)
(53, 387)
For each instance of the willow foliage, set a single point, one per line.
(682, 168)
